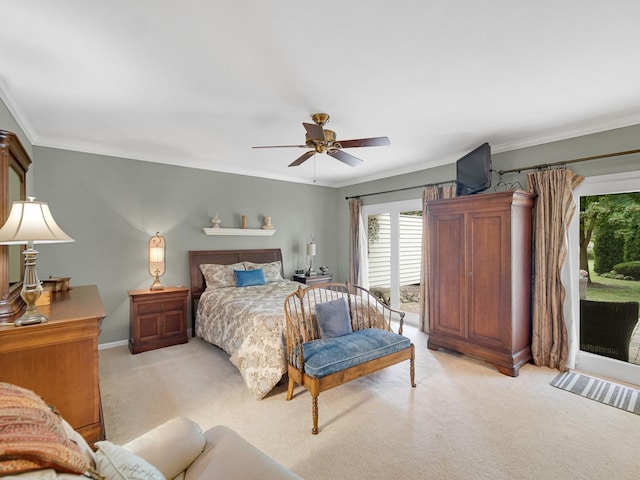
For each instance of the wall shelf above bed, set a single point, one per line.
(239, 231)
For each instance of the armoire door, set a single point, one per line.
(488, 277)
(448, 275)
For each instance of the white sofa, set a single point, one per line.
(177, 449)
(37, 444)
(220, 453)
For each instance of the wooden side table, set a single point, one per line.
(315, 279)
(157, 318)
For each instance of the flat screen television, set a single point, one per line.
(473, 171)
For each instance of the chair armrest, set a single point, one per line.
(170, 447)
(387, 311)
(229, 456)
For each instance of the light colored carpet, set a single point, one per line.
(464, 420)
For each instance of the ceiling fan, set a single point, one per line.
(322, 140)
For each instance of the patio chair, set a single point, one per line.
(606, 327)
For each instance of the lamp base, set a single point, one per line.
(156, 285)
(30, 318)
(31, 290)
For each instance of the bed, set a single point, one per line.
(246, 322)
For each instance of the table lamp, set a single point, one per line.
(311, 253)
(157, 263)
(31, 222)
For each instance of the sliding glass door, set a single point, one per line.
(605, 287)
(394, 232)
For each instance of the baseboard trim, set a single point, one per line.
(124, 343)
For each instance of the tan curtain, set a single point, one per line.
(357, 245)
(429, 193)
(553, 211)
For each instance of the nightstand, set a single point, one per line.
(157, 318)
(314, 280)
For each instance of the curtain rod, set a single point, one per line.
(437, 184)
(576, 160)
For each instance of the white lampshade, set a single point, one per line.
(157, 260)
(311, 249)
(156, 255)
(31, 221)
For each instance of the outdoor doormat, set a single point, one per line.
(603, 391)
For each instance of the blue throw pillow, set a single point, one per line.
(333, 318)
(247, 278)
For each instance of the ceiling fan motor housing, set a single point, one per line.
(319, 145)
(320, 140)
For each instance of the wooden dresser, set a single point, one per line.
(59, 359)
(480, 277)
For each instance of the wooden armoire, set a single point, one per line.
(480, 277)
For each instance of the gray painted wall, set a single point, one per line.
(618, 140)
(111, 206)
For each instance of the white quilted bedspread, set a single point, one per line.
(248, 323)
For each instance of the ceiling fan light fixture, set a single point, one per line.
(320, 140)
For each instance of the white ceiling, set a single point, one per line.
(199, 82)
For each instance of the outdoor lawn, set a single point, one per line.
(611, 290)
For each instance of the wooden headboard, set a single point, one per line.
(223, 257)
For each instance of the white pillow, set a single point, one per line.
(272, 271)
(114, 462)
(218, 276)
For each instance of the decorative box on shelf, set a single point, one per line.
(239, 231)
(57, 284)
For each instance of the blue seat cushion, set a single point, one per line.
(325, 356)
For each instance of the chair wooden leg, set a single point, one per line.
(412, 369)
(314, 413)
(290, 388)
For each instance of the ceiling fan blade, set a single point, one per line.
(282, 146)
(365, 142)
(345, 157)
(314, 131)
(302, 158)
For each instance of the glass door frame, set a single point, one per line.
(585, 361)
(394, 209)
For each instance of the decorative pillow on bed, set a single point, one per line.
(248, 278)
(333, 318)
(33, 436)
(218, 276)
(272, 270)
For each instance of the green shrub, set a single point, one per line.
(630, 270)
(632, 245)
(608, 249)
